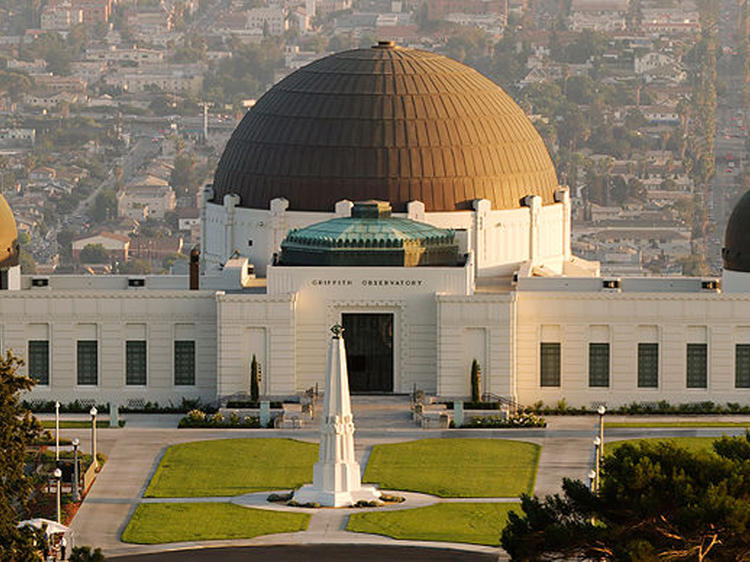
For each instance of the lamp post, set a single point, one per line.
(58, 474)
(601, 410)
(76, 442)
(93, 413)
(592, 477)
(597, 445)
(57, 431)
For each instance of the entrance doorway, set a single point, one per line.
(369, 351)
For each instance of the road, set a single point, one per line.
(140, 152)
(133, 160)
(313, 553)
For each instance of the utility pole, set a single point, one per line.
(205, 105)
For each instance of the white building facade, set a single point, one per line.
(542, 323)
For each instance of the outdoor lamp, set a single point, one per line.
(93, 411)
(592, 478)
(597, 445)
(58, 474)
(601, 410)
(57, 431)
(76, 442)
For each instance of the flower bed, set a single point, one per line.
(199, 419)
(512, 422)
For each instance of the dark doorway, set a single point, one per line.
(369, 351)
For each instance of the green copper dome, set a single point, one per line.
(370, 237)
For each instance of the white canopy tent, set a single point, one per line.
(53, 527)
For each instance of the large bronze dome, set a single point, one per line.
(385, 123)
(9, 247)
(736, 251)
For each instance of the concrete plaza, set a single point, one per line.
(135, 451)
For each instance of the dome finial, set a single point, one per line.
(385, 45)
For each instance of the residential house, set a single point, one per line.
(117, 245)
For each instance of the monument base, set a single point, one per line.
(309, 494)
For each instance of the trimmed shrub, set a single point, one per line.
(476, 382)
(254, 379)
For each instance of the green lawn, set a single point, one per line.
(677, 424)
(77, 424)
(468, 468)
(478, 523)
(179, 522)
(692, 443)
(228, 467)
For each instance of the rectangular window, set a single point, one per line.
(135, 362)
(184, 362)
(550, 364)
(598, 364)
(648, 365)
(88, 364)
(39, 361)
(697, 365)
(742, 365)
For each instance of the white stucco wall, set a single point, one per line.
(477, 327)
(112, 317)
(501, 240)
(735, 281)
(624, 320)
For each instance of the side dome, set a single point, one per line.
(9, 247)
(385, 123)
(736, 251)
(370, 237)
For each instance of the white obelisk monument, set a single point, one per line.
(336, 476)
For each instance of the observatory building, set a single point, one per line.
(408, 198)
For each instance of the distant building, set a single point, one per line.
(598, 15)
(54, 84)
(117, 245)
(58, 17)
(42, 173)
(51, 101)
(439, 9)
(167, 78)
(37, 66)
(94, 11)
(138, 202)
(113, 54)
(15, 137)
(271, 19)
(671, 21)
(650, 61)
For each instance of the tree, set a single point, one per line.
(105, 206)
(657, 501)
(19, 429)
(254, 379)
(184, 178)
(94, 253)
(135, 267)
(65, 242)
(476, 382)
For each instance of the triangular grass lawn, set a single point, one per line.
(229, 467)
(478, 523)
(456, 468)
(157, 523)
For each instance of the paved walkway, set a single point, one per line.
(135, 451)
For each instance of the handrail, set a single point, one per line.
(513, 404)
